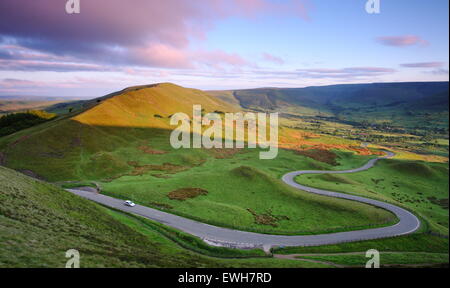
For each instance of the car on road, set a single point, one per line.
(129, 203)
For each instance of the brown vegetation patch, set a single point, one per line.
(142, 169)
(133, 163)
(320, 155)
(302, 140)
(365, 151)
(139, 170)
(148, 150)
(186, 193)
(224, 153)
(162, 176)
(267, 218)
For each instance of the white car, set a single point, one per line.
(129, 203)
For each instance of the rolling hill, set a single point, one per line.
(122, 142)
(148, 106)
(39, 222)
(397, 103)
(79, 141)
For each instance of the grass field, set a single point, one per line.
(419, 186)
(39, 223)
(255, 186)
(139, 164)
(417, 242)
(231, 188)
(22, 105)
(360, 260)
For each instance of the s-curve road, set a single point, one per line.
(240, 239)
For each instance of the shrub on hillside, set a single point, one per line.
(12, 123)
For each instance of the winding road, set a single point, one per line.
(218, 236)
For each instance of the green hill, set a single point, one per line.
(84, 139)
(417, 185)
(405, 104)
(120, 143)
(39, 223)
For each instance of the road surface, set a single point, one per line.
(218, 236)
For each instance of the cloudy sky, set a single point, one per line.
(217, 44)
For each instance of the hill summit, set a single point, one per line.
(148, 106)
(87, 144)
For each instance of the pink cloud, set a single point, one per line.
(252, 8)
(218, 58)
(13, 83)
(423, 65)
(274, 59)
(401, 41)
(160, 55)
(110, 31)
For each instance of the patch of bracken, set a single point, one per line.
(186, 193)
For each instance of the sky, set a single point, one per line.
(217, 44)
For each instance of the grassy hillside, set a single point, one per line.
(120, 143)
(149, 106)
(395, 103)
(39, 223)
(139, 163)
(419, 186)
(246, 197)
(388, 259)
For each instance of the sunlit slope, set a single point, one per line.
(122, 143)
(87, 145)
(149, 106)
